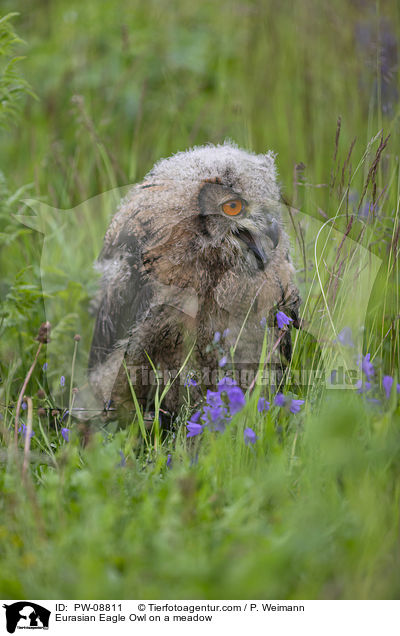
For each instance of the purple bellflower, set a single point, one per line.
(23, 429)
(262, 405)
(236, 399)
(345, 337)
(223, 361)
(249, 436)
(279, 399)
(282, 319)
(296, 405)
(387, 383)
(367, 366)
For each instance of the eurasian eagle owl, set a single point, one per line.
(197, 248)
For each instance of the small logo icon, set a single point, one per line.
(26, 615)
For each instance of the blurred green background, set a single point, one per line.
(106, 89)
(144, 81)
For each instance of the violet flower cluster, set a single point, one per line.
(367, 384)
(219, 345)
(221, 405)
(24, 429)
(280, 400)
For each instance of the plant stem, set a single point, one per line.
(27, 436)
(21, 395)
(70, 401)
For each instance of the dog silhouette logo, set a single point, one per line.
(26, 615)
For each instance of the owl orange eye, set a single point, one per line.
(232, 207)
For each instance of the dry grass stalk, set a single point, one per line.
(28, 435)
(43, 337)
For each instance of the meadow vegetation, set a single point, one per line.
(291, 497)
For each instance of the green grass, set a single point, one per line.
(312, 509)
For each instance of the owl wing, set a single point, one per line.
(126, 288)
(135, 265)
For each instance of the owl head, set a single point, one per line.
(232, 200)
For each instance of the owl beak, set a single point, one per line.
(254, 244)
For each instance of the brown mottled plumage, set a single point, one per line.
(179, 264)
